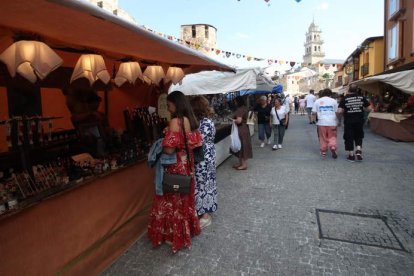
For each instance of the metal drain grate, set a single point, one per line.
(371, 230)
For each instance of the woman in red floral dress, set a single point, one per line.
(173, 218)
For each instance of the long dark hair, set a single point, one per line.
(239, 101)
(201, 107)
(182, 108)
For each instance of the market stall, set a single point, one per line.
(217, 87)
(392, 98)
(76, 120)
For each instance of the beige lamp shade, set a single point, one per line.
(91, 67)
(146, 80)
(31, 59)
(155, 73)
(175, 75)
(128, 71)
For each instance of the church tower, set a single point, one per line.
(313, 45)
(203, 35)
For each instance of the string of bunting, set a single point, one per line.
(228, 54)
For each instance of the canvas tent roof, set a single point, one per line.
(78, 24)
(214, 82)
(403, 81)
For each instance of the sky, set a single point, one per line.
(273, 30)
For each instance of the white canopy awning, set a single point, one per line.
(403, 81)
(340, 90)
(215, 82)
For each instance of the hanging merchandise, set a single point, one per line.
(8, 133)
(49, 124)
(39, 131)
(20, 127)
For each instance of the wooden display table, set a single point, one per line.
(399, 127)
(80, 231)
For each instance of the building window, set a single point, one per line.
(319, 48)
(206, 31)
(100, 4)
(393, 7)
(315, 49)
(393, 43)
(193, 31)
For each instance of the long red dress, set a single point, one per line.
(173, 216)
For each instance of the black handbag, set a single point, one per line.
(178, 183)
(198, 154)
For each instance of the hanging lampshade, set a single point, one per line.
(31, 59)
(175, 75)
(128, 71)
(155, 73)
(91, 67)
(146, 80)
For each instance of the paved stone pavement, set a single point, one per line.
(266, 222)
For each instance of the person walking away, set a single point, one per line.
(296, 102)
(173, 218)
(339, 100)
(279, 119)
(262, 110)
(352, 107)
(287, 104)
(310, 100)
(302, 105)
(240, 118)
(205, 171)
(326, 109)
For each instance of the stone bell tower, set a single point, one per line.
(204, 37)
(313, 45)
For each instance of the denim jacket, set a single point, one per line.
(158, 159)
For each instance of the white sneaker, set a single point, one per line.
(279, 146)
(205, 222)
(274, 147)
(262, 145)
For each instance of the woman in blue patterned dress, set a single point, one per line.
(205, 171)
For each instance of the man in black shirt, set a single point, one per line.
(263, 118)
(353, 107)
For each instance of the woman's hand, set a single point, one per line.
(168, 150)
(238, 120)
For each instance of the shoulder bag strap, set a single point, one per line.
(186, 148)
(277, 115)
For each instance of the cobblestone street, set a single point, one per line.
(267, 220)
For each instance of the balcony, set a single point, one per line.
(365, 69)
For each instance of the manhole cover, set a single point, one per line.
(371, 230)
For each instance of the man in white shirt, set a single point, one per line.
(310, 100)
(326, 108)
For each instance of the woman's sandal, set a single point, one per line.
(241, 168)
(235, 166)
